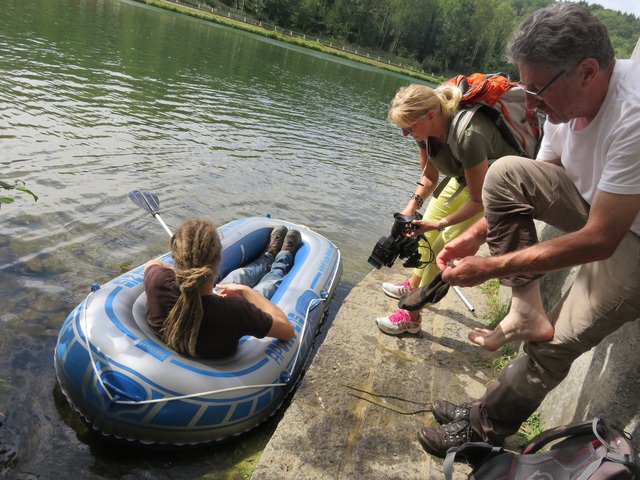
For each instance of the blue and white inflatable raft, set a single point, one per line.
(128, 385)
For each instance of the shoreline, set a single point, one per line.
(291, 38)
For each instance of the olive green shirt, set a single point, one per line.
(481, 140)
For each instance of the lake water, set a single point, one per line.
(100, 97)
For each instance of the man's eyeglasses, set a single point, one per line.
(549, 83)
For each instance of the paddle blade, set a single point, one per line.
(146, 200)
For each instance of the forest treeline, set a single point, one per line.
(443, 36)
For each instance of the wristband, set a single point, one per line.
(441, 226)
(417, 198)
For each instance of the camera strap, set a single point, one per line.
(443, 184)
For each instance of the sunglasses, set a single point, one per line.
(549, 83)
(409, 130)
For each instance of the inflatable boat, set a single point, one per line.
(128, 385)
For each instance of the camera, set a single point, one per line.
(388, 249)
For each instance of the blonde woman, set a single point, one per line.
(184, 311)
(426, 114)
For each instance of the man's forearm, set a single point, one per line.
(562, 252)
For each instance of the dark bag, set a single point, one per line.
(589, 450)
(503, 101)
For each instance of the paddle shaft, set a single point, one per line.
(164, 225)
(464, 299)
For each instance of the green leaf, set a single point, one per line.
(17, 185)
(25, 190)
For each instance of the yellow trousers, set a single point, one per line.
(437, 209)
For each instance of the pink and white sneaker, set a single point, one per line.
(399, 323)
(396, 290)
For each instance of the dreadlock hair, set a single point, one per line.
(196, 250)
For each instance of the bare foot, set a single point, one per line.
(492, 340)
(526, 320)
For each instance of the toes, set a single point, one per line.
(483, 331)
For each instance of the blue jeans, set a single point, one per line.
(264, 274)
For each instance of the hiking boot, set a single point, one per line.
(292, 242)
(396, 290)
(438, 440)
(447, 412)
(276, 240)
(399, 323)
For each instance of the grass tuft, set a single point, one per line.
(532, 427)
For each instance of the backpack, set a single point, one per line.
(503, 101)
(588, 450)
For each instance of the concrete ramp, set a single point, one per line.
(358, 409)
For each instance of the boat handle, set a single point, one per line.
(119, 394)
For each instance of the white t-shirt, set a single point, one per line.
(604, 155)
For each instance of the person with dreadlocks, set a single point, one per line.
(188, 316)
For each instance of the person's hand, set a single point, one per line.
(422, 226)
(233, 290)
(460, 247)
(468, 271)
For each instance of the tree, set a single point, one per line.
(408, 24)
(444, 36)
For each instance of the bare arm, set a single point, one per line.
(426, 185)
(610, 217)
(281, 328)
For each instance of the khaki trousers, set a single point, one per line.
(603, 297)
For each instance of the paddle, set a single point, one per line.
(148, 201)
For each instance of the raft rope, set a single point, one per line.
(116, 399)
(426, 410)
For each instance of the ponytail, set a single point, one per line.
(196, 251)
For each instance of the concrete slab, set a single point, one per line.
(357, 411)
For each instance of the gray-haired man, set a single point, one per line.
(586, 183)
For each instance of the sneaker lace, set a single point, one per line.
(400, 316)
(403, 284)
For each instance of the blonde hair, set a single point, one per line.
(196, 251)
(414, 101)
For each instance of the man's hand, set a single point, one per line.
(458, 261)
(460, 247)
(468, 272)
